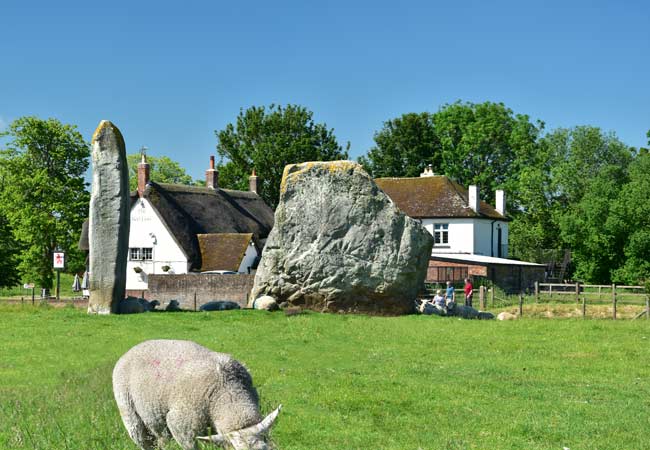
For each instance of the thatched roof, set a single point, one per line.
(433, 197)
(188, 211)
(223, 251)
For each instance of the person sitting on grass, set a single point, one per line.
(439, 303)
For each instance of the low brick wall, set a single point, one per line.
(194, 290)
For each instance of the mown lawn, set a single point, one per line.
(346, 382)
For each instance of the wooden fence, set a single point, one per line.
(577, 293)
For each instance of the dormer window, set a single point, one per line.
(441, 234)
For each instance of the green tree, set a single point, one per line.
(404, 147)
(44, 195)
(484, 144)
(631, 215)
(267, 140)
(161, 170)
(9, 276)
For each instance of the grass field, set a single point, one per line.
(346, 382)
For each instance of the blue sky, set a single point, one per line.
(170, 73)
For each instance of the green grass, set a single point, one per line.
(346, 382)
(17, 292)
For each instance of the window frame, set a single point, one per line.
(441, 234)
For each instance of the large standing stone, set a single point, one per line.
(109, 220)
(340, 244)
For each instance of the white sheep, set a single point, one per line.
(179, 389)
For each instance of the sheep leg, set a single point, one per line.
(183, 426)
(134, 424)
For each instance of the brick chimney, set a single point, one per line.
(252, 182)
(212, 176)
(474, 200)
(143, 174)
(500, 202)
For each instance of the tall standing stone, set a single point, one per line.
(339, 244)
(109, 220)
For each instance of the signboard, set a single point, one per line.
(59, 260)
(28, 285)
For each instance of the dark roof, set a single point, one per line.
(434, 196)
(192, 210)
(223, 251)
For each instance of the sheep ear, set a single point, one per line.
(215, 439)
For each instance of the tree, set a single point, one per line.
(44, 195)
(484, 144)
(9, 276)
(161, 170)
(404, 147)
(267, 140)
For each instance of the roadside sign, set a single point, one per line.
(59, 260)
(28, 285)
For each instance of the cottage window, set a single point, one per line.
(141, 254)
(441, 233)
(147, 254)
(134, 254)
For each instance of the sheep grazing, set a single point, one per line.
(179, 389)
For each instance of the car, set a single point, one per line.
(219, 272)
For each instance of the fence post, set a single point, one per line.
(481, 298)
(614, 301)
(584, 307)
(550, 292)
(492, 295)
(536, 291)
(577, 292)
(521, 305)
(647, 307)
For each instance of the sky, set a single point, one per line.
(169, 74)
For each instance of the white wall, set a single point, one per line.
(461, 235)
(148, 230)
(248, 259)
(469, 236)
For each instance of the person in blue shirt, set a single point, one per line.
(450, 295)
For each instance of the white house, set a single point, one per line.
(456, 217)
(178, 229)
(470, 236)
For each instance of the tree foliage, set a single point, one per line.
(267, 140)
(162, 169)
(44, 196)
(480, 144)
(9, 250)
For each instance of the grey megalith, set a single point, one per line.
(339, 244)
(108, 231)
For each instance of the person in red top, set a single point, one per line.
(469, 292)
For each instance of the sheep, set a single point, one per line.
(133, 305)
(179, 389)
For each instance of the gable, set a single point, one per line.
(433, 197)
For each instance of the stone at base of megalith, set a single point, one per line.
(339, 244)
(108, 232)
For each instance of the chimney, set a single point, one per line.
(428, 171)
(500, 202)
(143, 174)
(212, 176)
(474, 200)
(252, 182)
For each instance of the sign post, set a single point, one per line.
(30, 286)
(59, 263)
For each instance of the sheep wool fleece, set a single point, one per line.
(179, 388)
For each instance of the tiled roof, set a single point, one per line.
(434, 196)
(223, 251)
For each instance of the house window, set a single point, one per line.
(441, 233)
(140, 254)
(134, 254)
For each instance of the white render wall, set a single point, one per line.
(148, 230)
(471, 236)
(248, 259)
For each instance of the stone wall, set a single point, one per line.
(193, 290)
